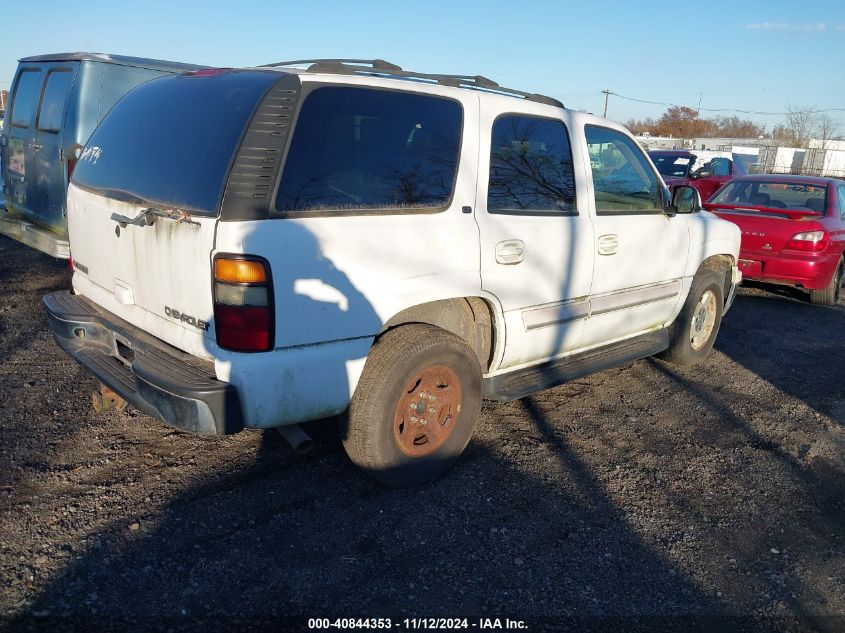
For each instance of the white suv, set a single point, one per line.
(268, 246)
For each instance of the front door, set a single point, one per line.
(641, 253)
(536, 233)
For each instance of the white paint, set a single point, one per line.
(337, 280)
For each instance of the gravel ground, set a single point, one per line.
(643, 497)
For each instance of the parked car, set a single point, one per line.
(264, 247)
(793, 230)
(56, 102)
(705, 171)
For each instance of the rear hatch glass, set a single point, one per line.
(170, 141)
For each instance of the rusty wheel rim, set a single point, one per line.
(427, 411)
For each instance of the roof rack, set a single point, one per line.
(383, 68)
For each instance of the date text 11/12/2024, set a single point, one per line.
(413, 624)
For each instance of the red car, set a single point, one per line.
(793, 230)
(701, 170)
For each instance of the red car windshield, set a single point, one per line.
(672, 166)
(776, 195)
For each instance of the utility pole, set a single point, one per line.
(607, 93)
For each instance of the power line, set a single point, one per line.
(758, 112)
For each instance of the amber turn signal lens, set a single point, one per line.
(239, 271)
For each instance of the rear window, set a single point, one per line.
(775, 195)
(53, 100)
(23, 103)
(366, 149)
(170, 141)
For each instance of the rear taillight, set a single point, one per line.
(71, 165)
(243, 303)
(808, 242)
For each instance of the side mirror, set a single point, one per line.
(686, 199)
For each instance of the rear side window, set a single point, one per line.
(360, 149)
(170, 141)
(623, 179)
(53, 100)
(23, 103)
(530, 166)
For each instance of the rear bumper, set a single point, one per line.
(164, 383)
(812, 273)
(34, 236)
(736, 279)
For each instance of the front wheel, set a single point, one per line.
(694, 331)
(830, 295)
(415, 406)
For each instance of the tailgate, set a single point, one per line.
(156, 277)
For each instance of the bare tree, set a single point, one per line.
(798, 127)
(827, 129)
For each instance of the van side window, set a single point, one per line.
(368, 149)
(623, 179)
(530, 166)
(52, 108)
(23, 103)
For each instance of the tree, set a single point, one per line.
(827, 129)
(683, 122)
(798, 127)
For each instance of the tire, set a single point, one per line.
(385, 433)
(695, 328)
(830, 295)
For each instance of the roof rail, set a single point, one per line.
(375, 63)
(386, 69)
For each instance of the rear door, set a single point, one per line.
(166, 146)
(536, 232)
(49, 163)
(21, 182)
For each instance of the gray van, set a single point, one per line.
(56, 102)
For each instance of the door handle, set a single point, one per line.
(35, 146)
(608, 244)
(510, 252)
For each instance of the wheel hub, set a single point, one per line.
(427, 411)
(703, 320)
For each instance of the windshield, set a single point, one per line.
(170, 141)
(776, 195)
(672, 166)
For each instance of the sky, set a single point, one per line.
(752, 55)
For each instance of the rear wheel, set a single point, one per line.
(833, 292)
(694, 331)
(415, 406)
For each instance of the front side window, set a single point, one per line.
(23, 103)
(363, 149)
(530, 166)
(623, 181)
(53, 100)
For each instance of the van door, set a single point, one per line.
(536, 232)
(641, 253)
(21, 182)
(50, 163)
